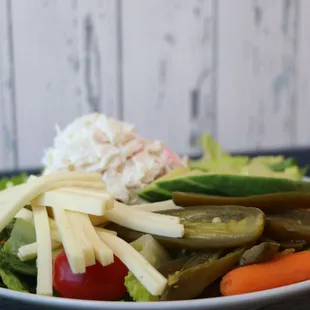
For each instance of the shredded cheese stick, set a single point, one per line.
(108, 231)
(98, 220)
(72, 248)
(24, 214)
(89, 185)
(148, 207)
(84, 242)
(44, 249)
(55, 234)
(103, 254)
(156, 206)
(150, 278)
(144, 222)
(29, 251)
(165, 218)
(15, 198)
(89, 202)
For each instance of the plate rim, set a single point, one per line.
(280, 293)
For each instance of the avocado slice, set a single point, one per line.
(153, 193)
(187, 184)
(242, 186)
(233, 185)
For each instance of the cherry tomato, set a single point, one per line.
(98, 283)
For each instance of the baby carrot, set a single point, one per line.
(284, 270)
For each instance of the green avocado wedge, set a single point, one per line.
(153, 193)
(232, 185)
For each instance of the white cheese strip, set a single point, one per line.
(103, 254)
(24, 214)
(108, 231)
(98, 220)
(15, 198)
(89, 185)
(151, 279)
(44, 249)
(160, 217)
(29, 251)
(55, 235)
(80, 235)
(148, 207)
(84, 201)
(72, 248)
(141, 221)
(156, 206)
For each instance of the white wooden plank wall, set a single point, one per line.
(176, 68)
(167, 68)
(65, 65)
(8, 134)
(257, 70)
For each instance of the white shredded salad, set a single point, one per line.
(96, 143)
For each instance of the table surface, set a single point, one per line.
(300, 303)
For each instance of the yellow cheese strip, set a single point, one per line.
(160, 217)
(108, 231)
(44, 249)
(18, 196)
(80, 235)
(148, 207)
(24, 214)
(151, 279)
(29, 251)
(98, 220)
(72, 248)
(156, 206)
(84, 201)
(144, 222)
(103, 254)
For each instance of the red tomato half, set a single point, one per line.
(98, 283)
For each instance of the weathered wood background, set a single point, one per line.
(237, 68)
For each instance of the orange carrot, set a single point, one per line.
(284, 270)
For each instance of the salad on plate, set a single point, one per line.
(117, 217)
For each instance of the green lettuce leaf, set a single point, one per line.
(215, 159)
(136, 290)
(6, 232)
(23, 233)
(156, 255)
(12, 282)
(15, 180)
(11, 262)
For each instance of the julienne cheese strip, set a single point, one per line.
(156, 206)
(144, 222)
(84, 242)
(18, 196)
(71, 245)
(147, 207)
(150, 278)
(89, 202)
(88, 185)
(103, 254)
(24, 214)
(160, 217)
(30, 251)
(44, 251)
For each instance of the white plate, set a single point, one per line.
(239, 302)
(249, 301)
